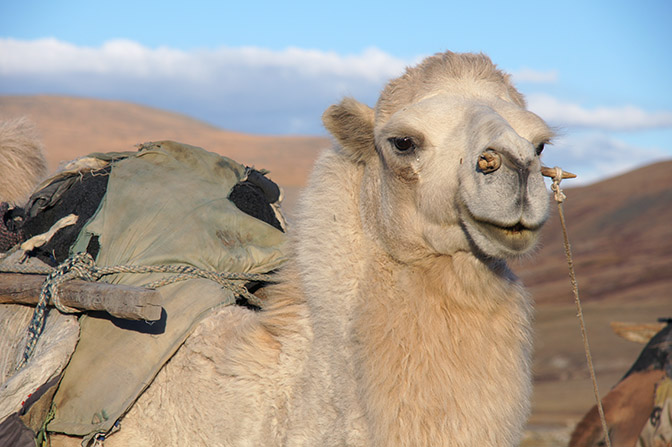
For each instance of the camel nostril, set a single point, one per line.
(489, 161)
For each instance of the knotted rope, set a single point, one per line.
(82, 265)
(557, 175)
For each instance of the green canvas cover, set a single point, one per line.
(166, 204)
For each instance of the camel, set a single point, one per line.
(396, 320)
(22, 162)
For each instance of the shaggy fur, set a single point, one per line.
(22, 162)
(397, 321)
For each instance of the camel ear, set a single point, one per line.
(351, 123)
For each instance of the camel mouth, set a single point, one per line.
(518, 237)
(508, 240)
(514, 230)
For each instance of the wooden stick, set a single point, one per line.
(122, 301)
(550, 172)
(639, 333)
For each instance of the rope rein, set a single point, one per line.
(82, 265)
(557, 176)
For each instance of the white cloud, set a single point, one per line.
(625, 118)
(124, 57)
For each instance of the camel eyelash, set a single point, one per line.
(540, 147)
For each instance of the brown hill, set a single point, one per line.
(72, 127)
(621, 240)
(619, 229)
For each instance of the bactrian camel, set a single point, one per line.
(396, 322)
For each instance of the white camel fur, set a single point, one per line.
(22, 162)
(396, 321)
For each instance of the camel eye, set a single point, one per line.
(539, 149)
(403, 144)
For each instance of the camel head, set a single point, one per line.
(451, 160)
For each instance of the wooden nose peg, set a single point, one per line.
(555, 172)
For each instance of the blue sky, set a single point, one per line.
(599, 71)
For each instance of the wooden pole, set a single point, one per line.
(122, 301)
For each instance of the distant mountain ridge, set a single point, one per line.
(72, 127)
(620, 232)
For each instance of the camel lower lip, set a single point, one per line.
(517, 237)
(518, 228)
(515, 230)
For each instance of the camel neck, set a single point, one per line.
(423, 343)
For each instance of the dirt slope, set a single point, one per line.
(71, 127)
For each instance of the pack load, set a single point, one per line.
(166, 205)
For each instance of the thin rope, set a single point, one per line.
(82, 265)
(72, 268)
(559, 198)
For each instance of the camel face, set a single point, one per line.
(468, 162)
(452, 157)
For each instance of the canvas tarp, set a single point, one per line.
(165, 205)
